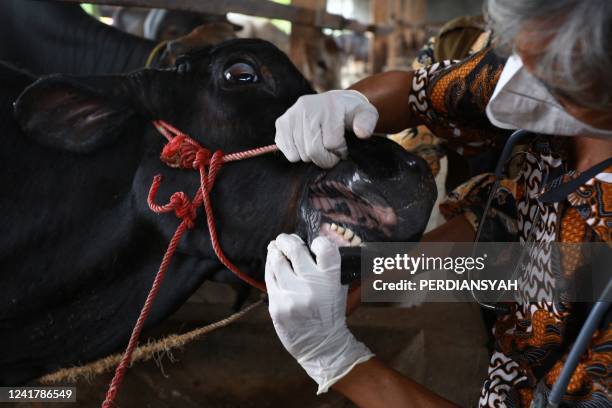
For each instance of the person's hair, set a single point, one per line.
(576, 60)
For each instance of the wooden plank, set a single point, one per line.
(413, 27)
(394, 40)
(302, 35)
(259, 8)
(378, 47)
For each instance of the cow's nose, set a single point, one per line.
(379, 158)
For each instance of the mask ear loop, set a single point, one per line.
(499, 170)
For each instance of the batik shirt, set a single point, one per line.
(532, 341)
(420, 140)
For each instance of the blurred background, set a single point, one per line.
(333, 42)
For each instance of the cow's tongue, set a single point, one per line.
(350, 211)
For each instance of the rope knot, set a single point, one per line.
(185, 153)
(202, 158)
(171, 153)
(183, 208)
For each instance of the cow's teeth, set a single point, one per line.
(348, 234)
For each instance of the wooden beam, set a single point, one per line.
(379, 44)
(412, 26)
(259, 8)
(302, 35)
(394, 39)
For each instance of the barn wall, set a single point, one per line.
(444, 10)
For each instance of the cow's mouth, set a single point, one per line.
(382, 193)
(348, 213)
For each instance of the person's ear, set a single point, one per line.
(75, 114)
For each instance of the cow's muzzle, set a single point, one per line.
(380, 193)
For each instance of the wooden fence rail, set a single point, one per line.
(259, 8)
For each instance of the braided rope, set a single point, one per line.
(258, 151)
(145, 352)
(207, 180)
(126, 360)
(182, 151)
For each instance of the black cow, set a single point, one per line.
(79, 247)
(165, 25)
(45, 37)
(48, 37)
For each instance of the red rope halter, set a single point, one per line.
(183, 152)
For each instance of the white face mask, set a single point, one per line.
(520, 101)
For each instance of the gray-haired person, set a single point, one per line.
(557, 83)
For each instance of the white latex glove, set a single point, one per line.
(308, 306)
(313, 128)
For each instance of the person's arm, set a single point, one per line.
(307, 305)
(372, 385)
(313, 128)
(457, 229)
(388, 92)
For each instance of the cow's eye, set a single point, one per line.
(241, 72)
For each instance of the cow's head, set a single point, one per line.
(228, 97)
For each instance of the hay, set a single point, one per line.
(152, 350)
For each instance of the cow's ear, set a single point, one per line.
(69, 114)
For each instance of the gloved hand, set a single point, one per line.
(307, 305)
(313, 128)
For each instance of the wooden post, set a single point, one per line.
(378, 47)
(395, 38)
(302, 35)
(413, 25)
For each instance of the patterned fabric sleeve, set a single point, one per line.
(450, 99)
(593, 201)
(425, 56)
(469, 200)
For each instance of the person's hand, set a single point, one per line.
(307, 306)
(313, 128)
